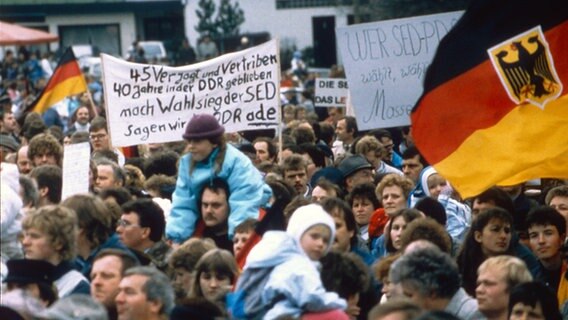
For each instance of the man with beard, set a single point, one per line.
(296, 174)
(82, 118)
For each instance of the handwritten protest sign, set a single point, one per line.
(75, 169)
(385, 63)
(330, 92)
(152, 104)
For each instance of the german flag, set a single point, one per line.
(67, 80)
(495, 106)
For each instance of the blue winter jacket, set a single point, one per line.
(458, 215)
(294, 285)
(247, 189)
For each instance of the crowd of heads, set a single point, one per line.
(361, 211)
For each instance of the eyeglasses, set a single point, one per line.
(125, 223)
(389, 146)
(97, 136)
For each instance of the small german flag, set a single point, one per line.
(67, 80)
(495, 105)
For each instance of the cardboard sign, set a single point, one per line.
(153, 104)
(75, 169)
(385, 63)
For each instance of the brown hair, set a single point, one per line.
(246, 226)
(294, 162)
(189, 253)
(127, 259)
(220, 262)
(427, 229)
(45, 143)
(367, 144)
(381, 267)
(94, 217)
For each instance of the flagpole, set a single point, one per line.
(92, 102)
(105, 104)
(280, 122)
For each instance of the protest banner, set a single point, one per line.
(152, 103)
(75, 169)
(330, 92)
(385, 63)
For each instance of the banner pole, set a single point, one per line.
(280, 119)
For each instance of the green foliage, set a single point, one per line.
(205, 12)
(227, 22)
(229, 18)
(393, 9)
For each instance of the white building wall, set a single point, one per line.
(125, 21)
(292, 26)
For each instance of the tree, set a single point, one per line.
(206, 24)
(376, 10)
(229, 18)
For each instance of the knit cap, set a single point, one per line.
(203, 126)
(306, 217)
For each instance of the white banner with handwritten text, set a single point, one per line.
(152, 103)
(385, 63)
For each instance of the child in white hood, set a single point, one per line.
(293, 285)
(458, 214)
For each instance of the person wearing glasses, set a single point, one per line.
(391, 157)
(100, 139)
(141, 229)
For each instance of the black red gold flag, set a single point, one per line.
(495, 105)
(67, 80)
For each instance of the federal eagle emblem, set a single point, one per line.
(526, 69)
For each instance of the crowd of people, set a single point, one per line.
(316, 220)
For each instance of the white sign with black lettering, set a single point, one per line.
(152, 103)
(385, 63)
(330, 92)
(75, 169)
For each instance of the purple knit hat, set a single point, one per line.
(203, 126)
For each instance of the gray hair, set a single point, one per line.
(75, 307)
(118, 172)
(157, 287)
(30, 191)
(428, 271)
